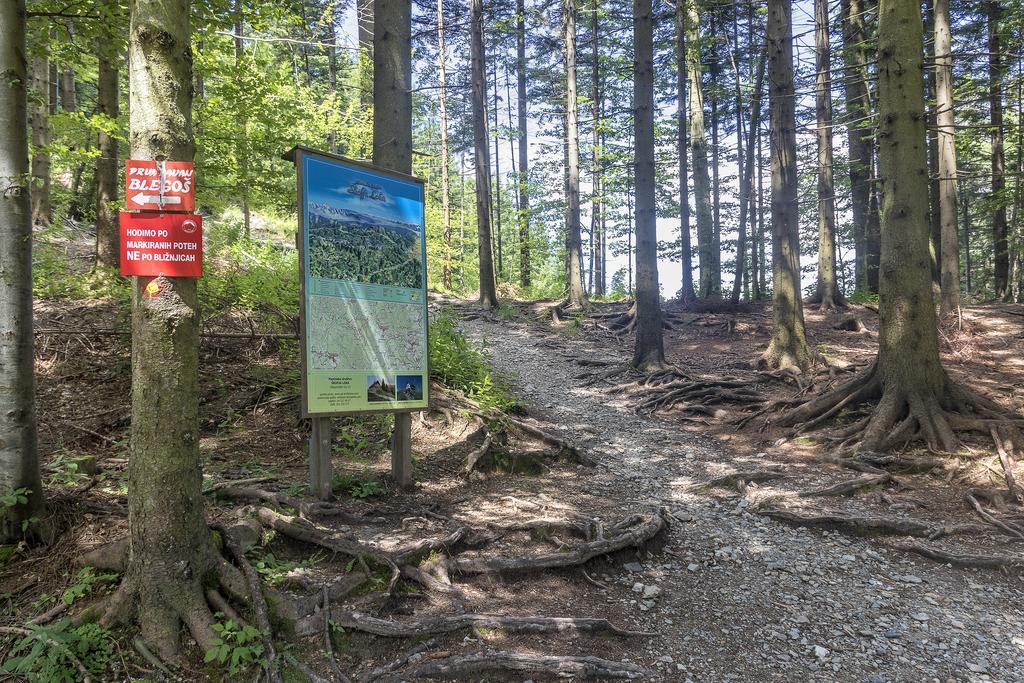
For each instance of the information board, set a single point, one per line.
(168, 244)
(362, 257)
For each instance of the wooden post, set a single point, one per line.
(320, 457)
(401, 451)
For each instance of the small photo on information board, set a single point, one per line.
(362, 257)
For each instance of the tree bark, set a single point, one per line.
(1000, 244)
(446, 212)
(522, 104)
(828, 293)
(41, 210)
(597, 255)
(573, 243)
(788, 347)
(858, 111)
(488, 295)
(908, 352)
(716, 189)
(685, 247)
(364, 32)
(19, 460)
(699, 153)
(392, 85)
(108, 232)
(499, 248)
(172, 553)
(934, 220)
(242, 138)
(747, 176)
(944, 118)
(648, 351)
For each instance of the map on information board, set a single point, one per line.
(363, 258)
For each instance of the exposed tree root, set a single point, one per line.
(630, 532)
(622, 323)
(971, 497)
(398, 663)
(903, 416)
(306, 509)
(858, 525)
(851, 486)
(737, 479)
(671, 387)
(429, 626)
(458, 666)
(259, 608)
(1012, 563)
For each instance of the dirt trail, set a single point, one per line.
(736, 596)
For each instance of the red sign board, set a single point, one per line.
(160, 185)
(169, 244)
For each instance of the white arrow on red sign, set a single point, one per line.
(141, 198)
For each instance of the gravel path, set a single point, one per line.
(737, 596)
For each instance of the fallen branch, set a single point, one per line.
(494, 660)
(449, 624)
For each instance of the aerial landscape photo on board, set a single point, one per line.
(364, 228)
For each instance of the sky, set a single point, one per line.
(331, 182)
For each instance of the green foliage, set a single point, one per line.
(462, 365)
(862, 297)
(248, 276)
(85, 582)
(357, 486)
(236, 646)
(13, 498)
(274, 571)
(47, 654)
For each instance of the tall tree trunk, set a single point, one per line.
(524, 155)
(499, 250)
(788, 347)
(746, 203)
(331, 38)
(716, 190)
(685, 247)
(39, 118)
(242, 138)
(950, 258)
(858, 112)
(763, 273)
(911, 375)
(598, 180)
(19, 460)
(1000, 244)
(828, 293)
(364, 33)
(512, 157)
(488, 295)
(446, 214)
(934, 221)
(699, 153)
(741, 229)
(649, 351)
(392, 76)
(108, 232)
(573, 243)
(172, 557)
(966, 211)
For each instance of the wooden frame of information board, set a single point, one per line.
(298, 155)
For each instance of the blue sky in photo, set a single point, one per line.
(327, 183)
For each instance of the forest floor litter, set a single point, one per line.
(578, 537)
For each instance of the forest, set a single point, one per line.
(726, 301)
